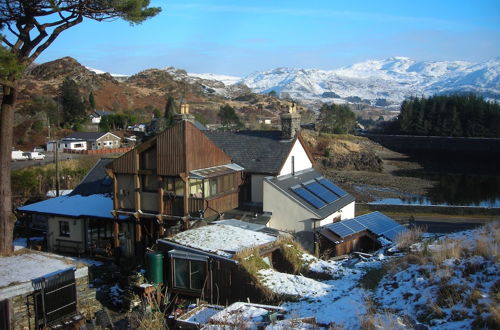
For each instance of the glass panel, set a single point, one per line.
(308, 197)
(196, 188)
(206, 187)
(149, 183)
(181, 273)
(179, 187)
(213, 187)
(197, 274)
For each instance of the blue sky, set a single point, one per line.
(239, 37)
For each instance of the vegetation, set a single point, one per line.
(34, 26)
(38, 180)
(170, 111)
(228, 117)
(117, 121)
(337, 119)
(448, 115)
(72, 105)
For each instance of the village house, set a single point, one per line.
(90, 141)
(97, 115)
(81, 222)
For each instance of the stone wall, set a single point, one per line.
(21, 318)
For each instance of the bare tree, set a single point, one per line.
(31, 26)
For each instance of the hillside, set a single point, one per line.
(138, 95)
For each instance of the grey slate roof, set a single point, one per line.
(85, 135)
(96, 181)
(102, 113)
(257, 151)
(286, 182)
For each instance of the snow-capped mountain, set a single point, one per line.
(227, 80)
(382, 82)
(115, 75)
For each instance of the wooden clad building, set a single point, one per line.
(173, 178)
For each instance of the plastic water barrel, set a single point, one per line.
(154, 267)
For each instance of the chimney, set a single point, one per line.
(290, 123)
(184, 114)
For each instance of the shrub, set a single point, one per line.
(405, 239)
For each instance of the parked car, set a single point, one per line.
(19, 155)
(35, 156)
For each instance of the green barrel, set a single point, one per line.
(154, 267)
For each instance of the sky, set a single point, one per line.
(237, 37)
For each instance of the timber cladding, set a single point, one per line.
(180, 149)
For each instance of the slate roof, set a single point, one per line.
(286, 182)
(85, 136)
(102, 113)
(256, 151)
(96, 181)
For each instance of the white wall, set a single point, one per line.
(301, 159)
(286, 214)
(76, 231)
(347, 212)
(256, 184)
(73, 145)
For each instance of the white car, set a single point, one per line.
(36, 156)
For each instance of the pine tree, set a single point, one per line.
(71, 102)
(170, 111)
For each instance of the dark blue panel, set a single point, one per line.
(339, 229)
(393, 233)
(322, 192)
(308, 197)
(332, 187)
(354, 225)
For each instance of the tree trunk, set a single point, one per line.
(6, 135)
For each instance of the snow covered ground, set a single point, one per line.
(437, 290)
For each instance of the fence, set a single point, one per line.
(97, 152)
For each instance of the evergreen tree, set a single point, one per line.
(71, 101)
(91, 101)
(229, 118)
(337, 119)
(170, 111)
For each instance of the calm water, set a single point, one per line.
(455, 190)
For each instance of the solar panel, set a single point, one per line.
(354, 225)
(322, 192)
(309, 197)
(332, 187)
(393, 233)
(340, 229)
(378, 223)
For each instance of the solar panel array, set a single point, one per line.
(319, 192)
(376, 222)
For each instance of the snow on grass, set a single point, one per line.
(448, 283)
(223, 240)
(292, 285)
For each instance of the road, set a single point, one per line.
(49, 158)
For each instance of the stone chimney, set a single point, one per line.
(184, 114)
(290, 123)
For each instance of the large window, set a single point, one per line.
(189, 274)
(149, 183)
(196, 188)
(219, 185)
(174, 184)
(64, 228)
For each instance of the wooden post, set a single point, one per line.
(161, 192)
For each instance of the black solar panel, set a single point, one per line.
(309, 197)
(340, 229)
(354, 225)
(332, 187)
(323, 193)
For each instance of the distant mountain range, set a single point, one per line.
(381, 82)
(377, 82)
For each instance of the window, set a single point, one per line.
(64, 228)
(78, 145)
(174, 184)
(196, 188)
(149, 183)
(189, 274)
